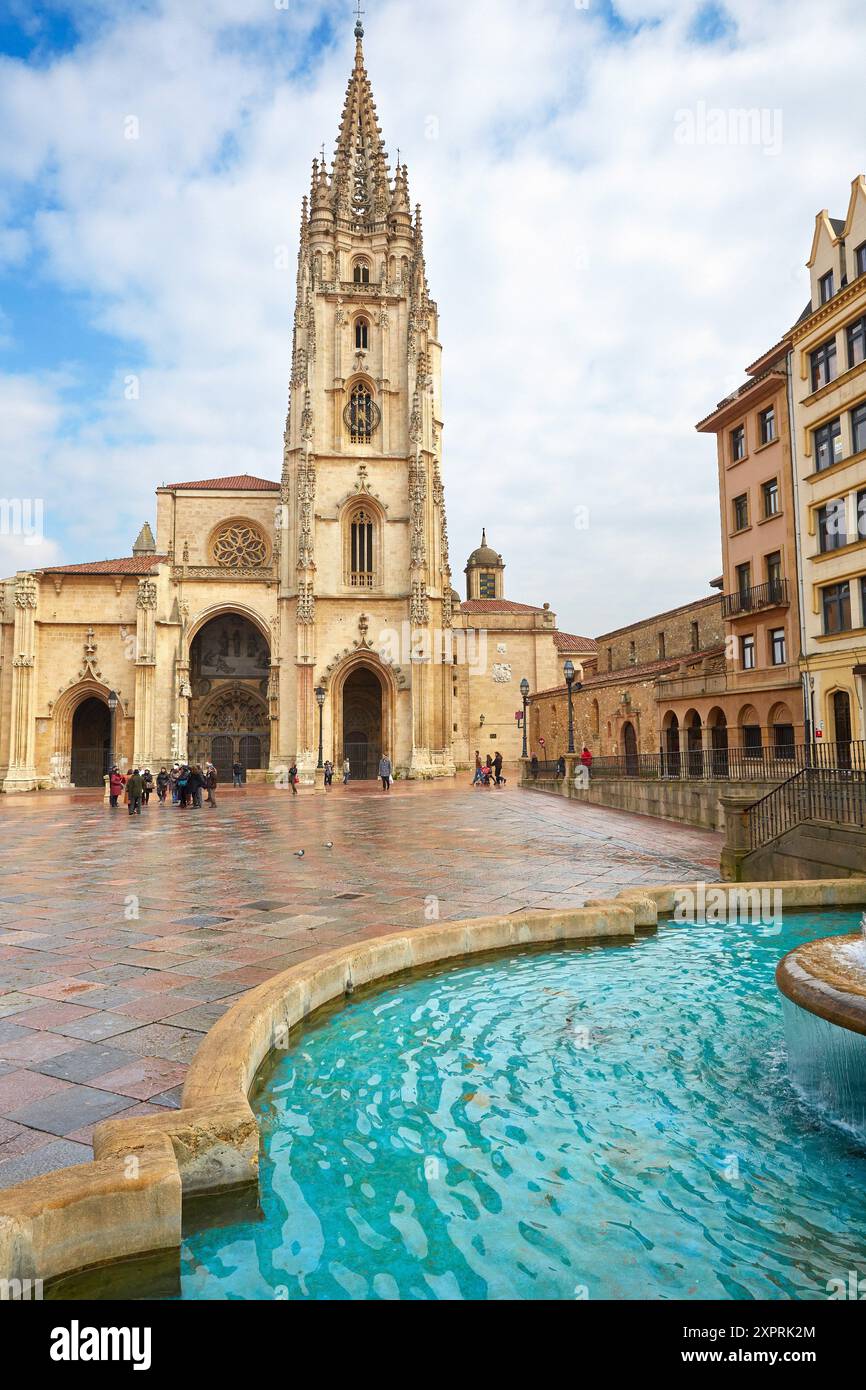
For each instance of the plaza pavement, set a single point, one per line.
(122, 940)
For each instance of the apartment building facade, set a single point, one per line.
(828, 389)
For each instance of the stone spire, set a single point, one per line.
(360, 185)
(145, 545)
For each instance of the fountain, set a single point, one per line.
(824, 987)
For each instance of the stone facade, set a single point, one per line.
(616, 713)
(828, 381)
(266, 614)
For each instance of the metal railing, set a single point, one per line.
(773, 594)
(757, 764)
(815, 794)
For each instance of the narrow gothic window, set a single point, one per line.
(361, 273)
(362, 566)
(362, 414)
(362, 335)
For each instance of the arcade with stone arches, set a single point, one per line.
(229, 671)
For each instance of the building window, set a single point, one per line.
(662, 652)
(487, 586)
(860, 259)
(362, 414)
(362, 335)
(362, 554)
(744, 580)
(770, 492)
(361, 273)
(632, 653)
(856, 337)
(610, 658)
(741, 512)
(823, 361)
(767, 425)
(774, 573)
(778, 650)
(696, 637)
(783, 740)
(747, 652)
(738, 443)
(836, 604)
(861, 515)
(831, 526)
(752, 745)
(826, 287)
(858, 428)
(863, 600)
(828, 445)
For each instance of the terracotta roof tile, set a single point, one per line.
(130, 564)
(240, 482)
(567, 642)
(496, 605)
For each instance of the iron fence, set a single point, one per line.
(814, 794)
(777, 762)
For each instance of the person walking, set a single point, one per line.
(329, 774)
(293, 778)
(347, 771)
(211, 779)
(477, 780)
(237, 775)
(162, 785)
(147, 786)
(116, 784)
(586, 760)
(195, 786)
(497, 769)
(173, 780)
(560, 766)
(183, 788)
(385, 770)
(134, 793)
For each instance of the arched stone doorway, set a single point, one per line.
(671, 746)
(841, 706)
(695, 737)
(718, 723)
(229, 718)
(91, 743)
(363, 696)
(629, 749)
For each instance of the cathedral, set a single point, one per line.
(309, 618)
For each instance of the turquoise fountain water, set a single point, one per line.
(611, 1122)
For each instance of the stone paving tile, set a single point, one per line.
(85, 1062)
(70, 1109)
(83, 988)
(142, 1078)
(19, 1088)
(56, 1153)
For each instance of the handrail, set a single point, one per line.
(831, 795)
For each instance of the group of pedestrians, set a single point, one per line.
(489, 772)
(184, 784)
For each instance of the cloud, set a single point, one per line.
(601, 283)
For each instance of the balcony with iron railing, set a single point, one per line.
(772, 594)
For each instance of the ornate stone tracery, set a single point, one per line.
(239, 545)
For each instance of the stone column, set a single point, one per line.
(145, 673)
(21, 775)
(736, 847)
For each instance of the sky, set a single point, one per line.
(607, 250)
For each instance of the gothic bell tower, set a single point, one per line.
(365, 577)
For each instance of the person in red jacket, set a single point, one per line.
(586, 758)
(116, 784)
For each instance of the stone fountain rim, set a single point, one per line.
(811, 977)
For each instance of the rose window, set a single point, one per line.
(239, 546)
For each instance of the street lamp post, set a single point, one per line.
(320, 701)
(112, 705)
(524, 690)
(568, 671)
